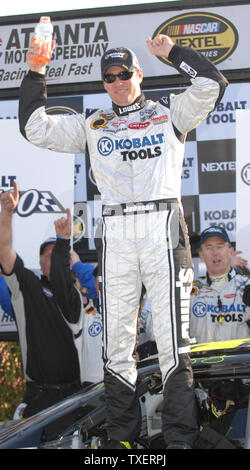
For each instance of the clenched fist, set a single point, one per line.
(161, 45)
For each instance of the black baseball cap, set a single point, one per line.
(120, 56)
(214, 232)
(45, 243)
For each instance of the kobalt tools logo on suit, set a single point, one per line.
(129, 146)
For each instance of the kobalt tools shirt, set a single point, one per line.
(219, 312)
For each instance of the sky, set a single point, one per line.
(11, 7)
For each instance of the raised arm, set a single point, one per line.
(191, 107)
(67, 296)
(61, 133)
(9, 201)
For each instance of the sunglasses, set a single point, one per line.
(111, 77)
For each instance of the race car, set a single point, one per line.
(222, 386)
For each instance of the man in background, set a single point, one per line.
(48, 313)
(220, 301)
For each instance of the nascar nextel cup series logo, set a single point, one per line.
(212, 35)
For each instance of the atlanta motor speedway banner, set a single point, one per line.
(219, 33)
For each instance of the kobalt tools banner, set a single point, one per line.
(221, 34)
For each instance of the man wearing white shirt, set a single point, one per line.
(220, 301)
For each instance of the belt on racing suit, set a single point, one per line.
(141, 207)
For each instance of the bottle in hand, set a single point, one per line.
(43, 38)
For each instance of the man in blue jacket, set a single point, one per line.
(5, 301)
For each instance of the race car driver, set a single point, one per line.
(136, 149)
(220, 301)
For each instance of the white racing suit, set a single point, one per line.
(136, 154)
(220, 314)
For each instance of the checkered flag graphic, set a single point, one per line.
(48, 203)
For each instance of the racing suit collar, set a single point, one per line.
(139, 103)
(230, 275)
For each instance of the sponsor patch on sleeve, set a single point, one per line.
(189, 70)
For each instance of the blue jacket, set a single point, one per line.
(85, 275)
(5, 300)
